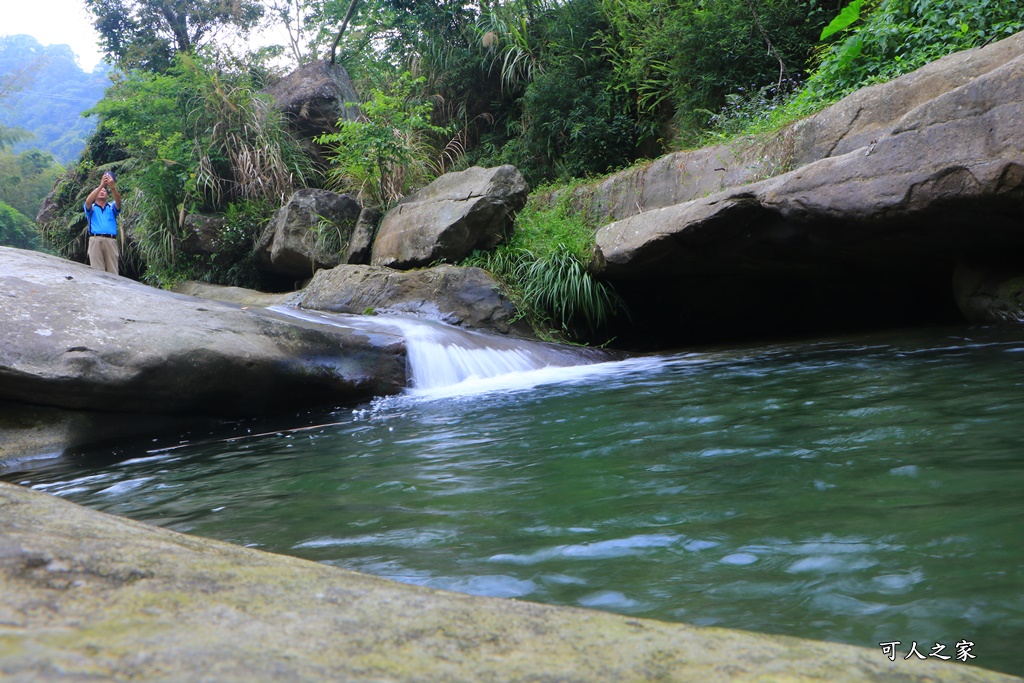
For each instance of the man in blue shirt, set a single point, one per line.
(102, 216)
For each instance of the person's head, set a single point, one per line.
(101, 196)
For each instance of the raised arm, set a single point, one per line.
(91, 199)
(112, 191)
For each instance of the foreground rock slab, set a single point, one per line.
(75, 337)
(88, 596)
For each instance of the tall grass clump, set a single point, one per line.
(544, 265)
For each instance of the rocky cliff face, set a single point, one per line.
(890, 191)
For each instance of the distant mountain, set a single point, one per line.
(52, 98)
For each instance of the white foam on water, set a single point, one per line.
(446, 361)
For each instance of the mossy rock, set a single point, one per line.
(89, 596)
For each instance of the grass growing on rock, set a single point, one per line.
(544, 265)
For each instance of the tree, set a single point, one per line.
(26, 179)
(16, 230)
(148, 33)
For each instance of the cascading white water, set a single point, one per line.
(440, 355)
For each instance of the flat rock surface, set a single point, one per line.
(88, 596)
(75, 337)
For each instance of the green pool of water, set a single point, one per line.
(860, 490)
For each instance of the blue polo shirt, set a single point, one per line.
(102, 220)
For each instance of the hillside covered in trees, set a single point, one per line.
(562, 89)
(46, 96)
(43, 93)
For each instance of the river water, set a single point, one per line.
(862, 490)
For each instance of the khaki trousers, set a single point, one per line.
(104, 253)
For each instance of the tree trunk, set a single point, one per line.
(344, 25)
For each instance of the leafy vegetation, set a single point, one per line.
(193, 139)
(884, 39)
(16, 230)
(680, 60)
(545, 268)
(387, 150)
(26, 178)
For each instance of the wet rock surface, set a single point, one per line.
(467, 297)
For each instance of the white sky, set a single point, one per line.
(65, 22)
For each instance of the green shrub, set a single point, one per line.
(387, 150)
(870, 41)
(194, 139)
(16, 230)
(234, 261)
(575, 122)
(64, 229)
(894, 37)
(545, 268)
(681, 58)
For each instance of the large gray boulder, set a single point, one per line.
(360, 244)
(854, 122)
(311, 231)
(866, 236)
(450, 217)
(315, 97)
(202, 234)
(938, 168)
(468, 297)
(75, 337)
(88, 596)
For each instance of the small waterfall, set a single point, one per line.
(440, 355)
